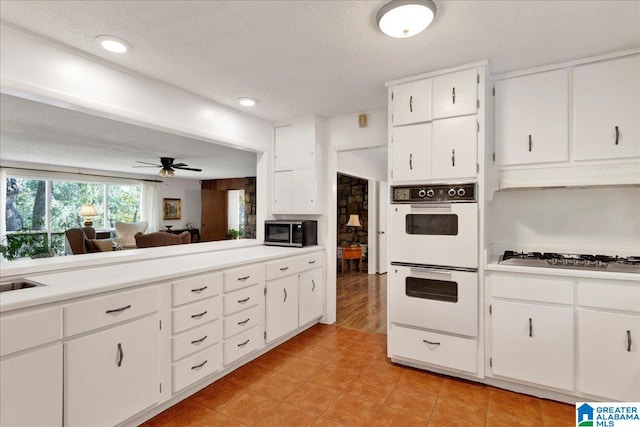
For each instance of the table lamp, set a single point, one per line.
(88, 211)
(354, 222)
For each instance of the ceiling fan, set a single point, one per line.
(167, 166)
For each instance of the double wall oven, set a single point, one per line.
(434, 257)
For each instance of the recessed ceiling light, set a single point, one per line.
(113, 44)
(406, 18)
(247, 102)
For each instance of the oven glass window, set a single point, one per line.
(278, 233)
(432, 224)
(438, 290)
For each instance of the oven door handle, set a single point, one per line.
(431, 207)
(431, 271)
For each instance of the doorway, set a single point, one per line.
(228, 204)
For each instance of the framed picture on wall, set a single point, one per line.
(171, 208)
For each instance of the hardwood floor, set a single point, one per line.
(362, 301)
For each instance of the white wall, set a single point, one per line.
(602, 220)
(351, 163)
(188, 191)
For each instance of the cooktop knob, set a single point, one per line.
(452, 192)
(422, 193)
(430, 192)
(461, 192)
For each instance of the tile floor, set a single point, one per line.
(336, 376)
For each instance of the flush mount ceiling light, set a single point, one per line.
(406, 18)
(113, 44)
(247, 102)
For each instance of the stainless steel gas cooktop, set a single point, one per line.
(572, 261)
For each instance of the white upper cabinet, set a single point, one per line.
(411, 153)
(411, 103)
(455, 94)
(532, 119)
(282, 191)
(606, 100)
(455, 148)
(284, 141)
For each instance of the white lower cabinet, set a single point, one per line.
(281, 307)
(196, 367)
(111, 375)
(533, 343)
(31, 388)
(609, 355)
(311, 296)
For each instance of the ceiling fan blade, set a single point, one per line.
(187, 169)
(179, 165)
(147, 163)
(150, 166)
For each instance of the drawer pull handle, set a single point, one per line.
(242, 301)
(199, 289)
(285, 293)
(617, 135)
(453, 95)
(284, 268)
(244, 322)
(199, 341)
(312, 262)
(120, 354)
(411, 104)
(629, 341)
(242, 279)
(431, 342)
(313, 288)
(200, 365)
(530, 327)
(242, 344)
(118, 310)
(197, 316)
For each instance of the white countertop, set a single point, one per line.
(565, 272)
(65, 285)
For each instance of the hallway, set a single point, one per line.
(362, 301)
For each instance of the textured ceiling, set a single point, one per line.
(297, 57)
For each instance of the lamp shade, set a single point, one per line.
(354, 221)
(406, 18)
(88, 210)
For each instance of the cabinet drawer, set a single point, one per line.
(282, 268)
(532, 288)
(241, 322)
(242, 299)
(189, 342)
(196, 288)
(242, 344)
(607, 295)
(196, 367)
(22, 331)
(196, 314)
(310, 261)
(242, 277)
(447, 351)
(103, 311)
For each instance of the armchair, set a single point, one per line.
(83, 240)
(127, 231)
(161, 238)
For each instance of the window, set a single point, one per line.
(38, 211)
(235, 210)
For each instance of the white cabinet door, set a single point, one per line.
(606, 116)
(311, 302)
(455, 148)
(304, 195)
(284, 141)
(609, 354)
(31, 388)
(411, 102)
(411, 153)
(455, 94)
(281, 307)
(304, 146)
(533, 343)
(282, 191)
(111, 375)
(532, 119)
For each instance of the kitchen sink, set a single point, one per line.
(17, 285)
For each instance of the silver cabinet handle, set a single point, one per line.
(200, 365)
(199, 315)
(284, 268)
(242, 344)
(431, 342)
(410, 161)
(629, 341)
(530, 327)
(411, 104)
(313, 288)
(120, 354)
(242, 279)
(617, 135)
(199, 341)
(242, 301)
(285, 293)
(453, 95)
(530, 143)
(453, 158)
(312, 262)
(118, 310)
(244, 322)
(199, 289)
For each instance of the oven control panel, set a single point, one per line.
(433, 193)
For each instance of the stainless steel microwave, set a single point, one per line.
(290, 233)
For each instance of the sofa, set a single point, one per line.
(161, 238)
